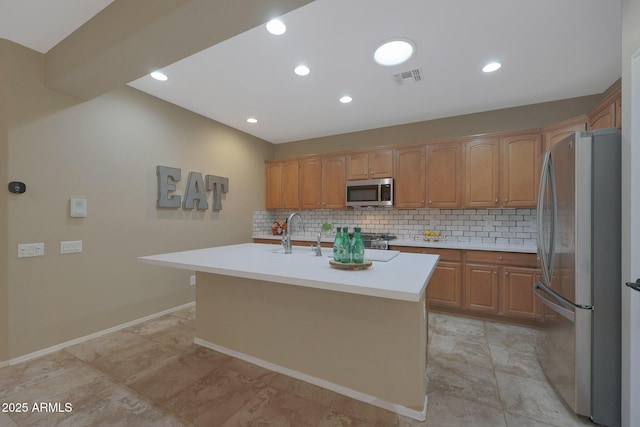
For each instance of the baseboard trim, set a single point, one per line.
(345, 391)
(75, 341)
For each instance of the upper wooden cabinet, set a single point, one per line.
(322, 182)
(410, 177)
(559, 131)
(428, 176)
(311, 182)
(282, 185)
(502, 172)
(607, 114)
(444, 175)
(482, 173)
(521, 170)
(333, 181)
(370, 164)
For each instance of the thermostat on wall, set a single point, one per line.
(78, 208)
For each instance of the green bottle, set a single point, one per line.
(357, 248)
(345, 247)
(337, 244)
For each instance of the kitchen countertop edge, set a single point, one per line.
(446, 244)
(402, 279)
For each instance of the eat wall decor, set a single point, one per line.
(195, 193)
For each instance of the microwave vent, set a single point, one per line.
(410, 76)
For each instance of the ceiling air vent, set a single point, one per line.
(411, 76)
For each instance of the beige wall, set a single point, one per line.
(510, 119)
(4, 144)
(106, 150)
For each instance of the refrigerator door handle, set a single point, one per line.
(560, 308)
(542, 254)
(635, 286)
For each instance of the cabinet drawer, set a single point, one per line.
(445, 254)
(502, 258)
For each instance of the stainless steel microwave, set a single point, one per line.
(370, 192)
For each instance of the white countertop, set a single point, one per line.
(445, 244)
(405, 277)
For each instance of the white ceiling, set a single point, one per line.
(42, 24)
(550, 50)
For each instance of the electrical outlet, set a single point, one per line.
(30, 249)
(71, 246)
(192, 280)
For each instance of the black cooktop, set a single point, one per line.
(377, 236)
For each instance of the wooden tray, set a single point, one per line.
(350, 265)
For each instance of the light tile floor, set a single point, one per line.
(479, 373)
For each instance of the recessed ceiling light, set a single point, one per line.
(302, 70)
(159, 76)
(276, 27)
(346, 99)
(394, 52)
(252, 120)
(491, 67)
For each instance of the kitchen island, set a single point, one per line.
(359, 333)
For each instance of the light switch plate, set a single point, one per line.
(70, 246)
(78, 208)
(30, 249)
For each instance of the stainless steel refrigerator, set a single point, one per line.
(579, 226)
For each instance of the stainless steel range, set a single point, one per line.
(377, 240)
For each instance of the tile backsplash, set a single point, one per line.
(504, 226)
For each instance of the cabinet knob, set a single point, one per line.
(506, 200)
(500, 258)
(495, 201)
(430, 201)
(495, 273)
(506, 273)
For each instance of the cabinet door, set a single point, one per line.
(370, 164)
(381, 164)
(358, 166)
(410, 177)
(290, 195)
(603, 118)
(520, 165)
(482, 169)
(556, 133)
(517, 292)
(274, 186)
(444, 175)
(481, 288)
(311, 183)
(334, 178)
(445, 285)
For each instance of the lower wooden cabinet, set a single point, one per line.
(501, 283)
(445, 286)
(481, 288)
(517, 292)
(484, 283)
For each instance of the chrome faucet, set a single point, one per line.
(286, 239)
